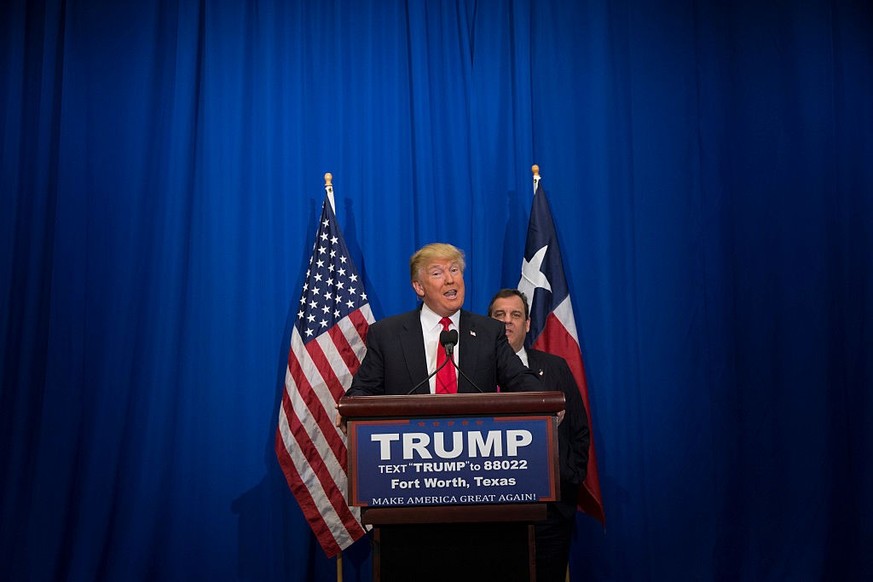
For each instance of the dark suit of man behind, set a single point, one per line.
(395, 360)
(553, 535)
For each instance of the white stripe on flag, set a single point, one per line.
(315, 379)
(337, 364)
(310, 479)
(564, 313)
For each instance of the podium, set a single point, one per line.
(453, 483)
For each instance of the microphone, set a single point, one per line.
(448, 339)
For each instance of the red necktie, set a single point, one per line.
(446, 379)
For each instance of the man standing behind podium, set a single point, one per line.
(552, 535)
(404, 349)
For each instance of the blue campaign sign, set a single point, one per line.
(453, 461)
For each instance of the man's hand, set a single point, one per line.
(340, 422)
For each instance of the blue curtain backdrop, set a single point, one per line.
(710, 169)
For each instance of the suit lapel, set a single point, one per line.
(469, 344)
(535, 363)
(412, 343)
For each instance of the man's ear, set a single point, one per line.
(527, 325)
(419, 290)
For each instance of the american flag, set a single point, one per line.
(552, 324)
(327, 346)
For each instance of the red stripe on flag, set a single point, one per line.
(310, 510)
(305, 501)
(310, 449)
(361, 324)
(345, 351)
(320, 470)
(325, 368)
(323, 418)
(555, 339)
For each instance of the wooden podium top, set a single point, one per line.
(426, 405)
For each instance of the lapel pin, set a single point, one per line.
(472, 333)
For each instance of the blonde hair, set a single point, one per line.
(434, 251)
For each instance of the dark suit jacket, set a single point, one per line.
(573, 434)
(395, 360)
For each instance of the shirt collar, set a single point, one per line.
(430, 319)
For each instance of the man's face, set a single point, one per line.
(510, 310)
(441, 285)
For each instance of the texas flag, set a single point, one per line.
(552, 325)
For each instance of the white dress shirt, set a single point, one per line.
(431, 329)
(522, 355)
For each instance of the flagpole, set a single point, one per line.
(536, 176)
(328, 187)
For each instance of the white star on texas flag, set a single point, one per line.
(532, 275)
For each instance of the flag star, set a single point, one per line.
(318, 276)
(322, 250)
(316, 291)
(324, 236)
(323, 323)
(342, 272)
(336, 313)
(330, 267)
(307, 271)
(328, 296)
(342, 260)
(313, 304)
(310, 318)
(320, 264)
(332, 253)
(352, 290)
(300, 314)
(353, 277)
(303, 300)
(363, 296)
(330, 281)
(325, 309)
(350, 303)
(305, 286)
(334, 240)
(340, 285)
(532, 276)
(308, 332)
(326, 223)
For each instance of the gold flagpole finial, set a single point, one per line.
(328, 188)
(536, 171)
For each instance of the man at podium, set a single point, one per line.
(439, 348)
